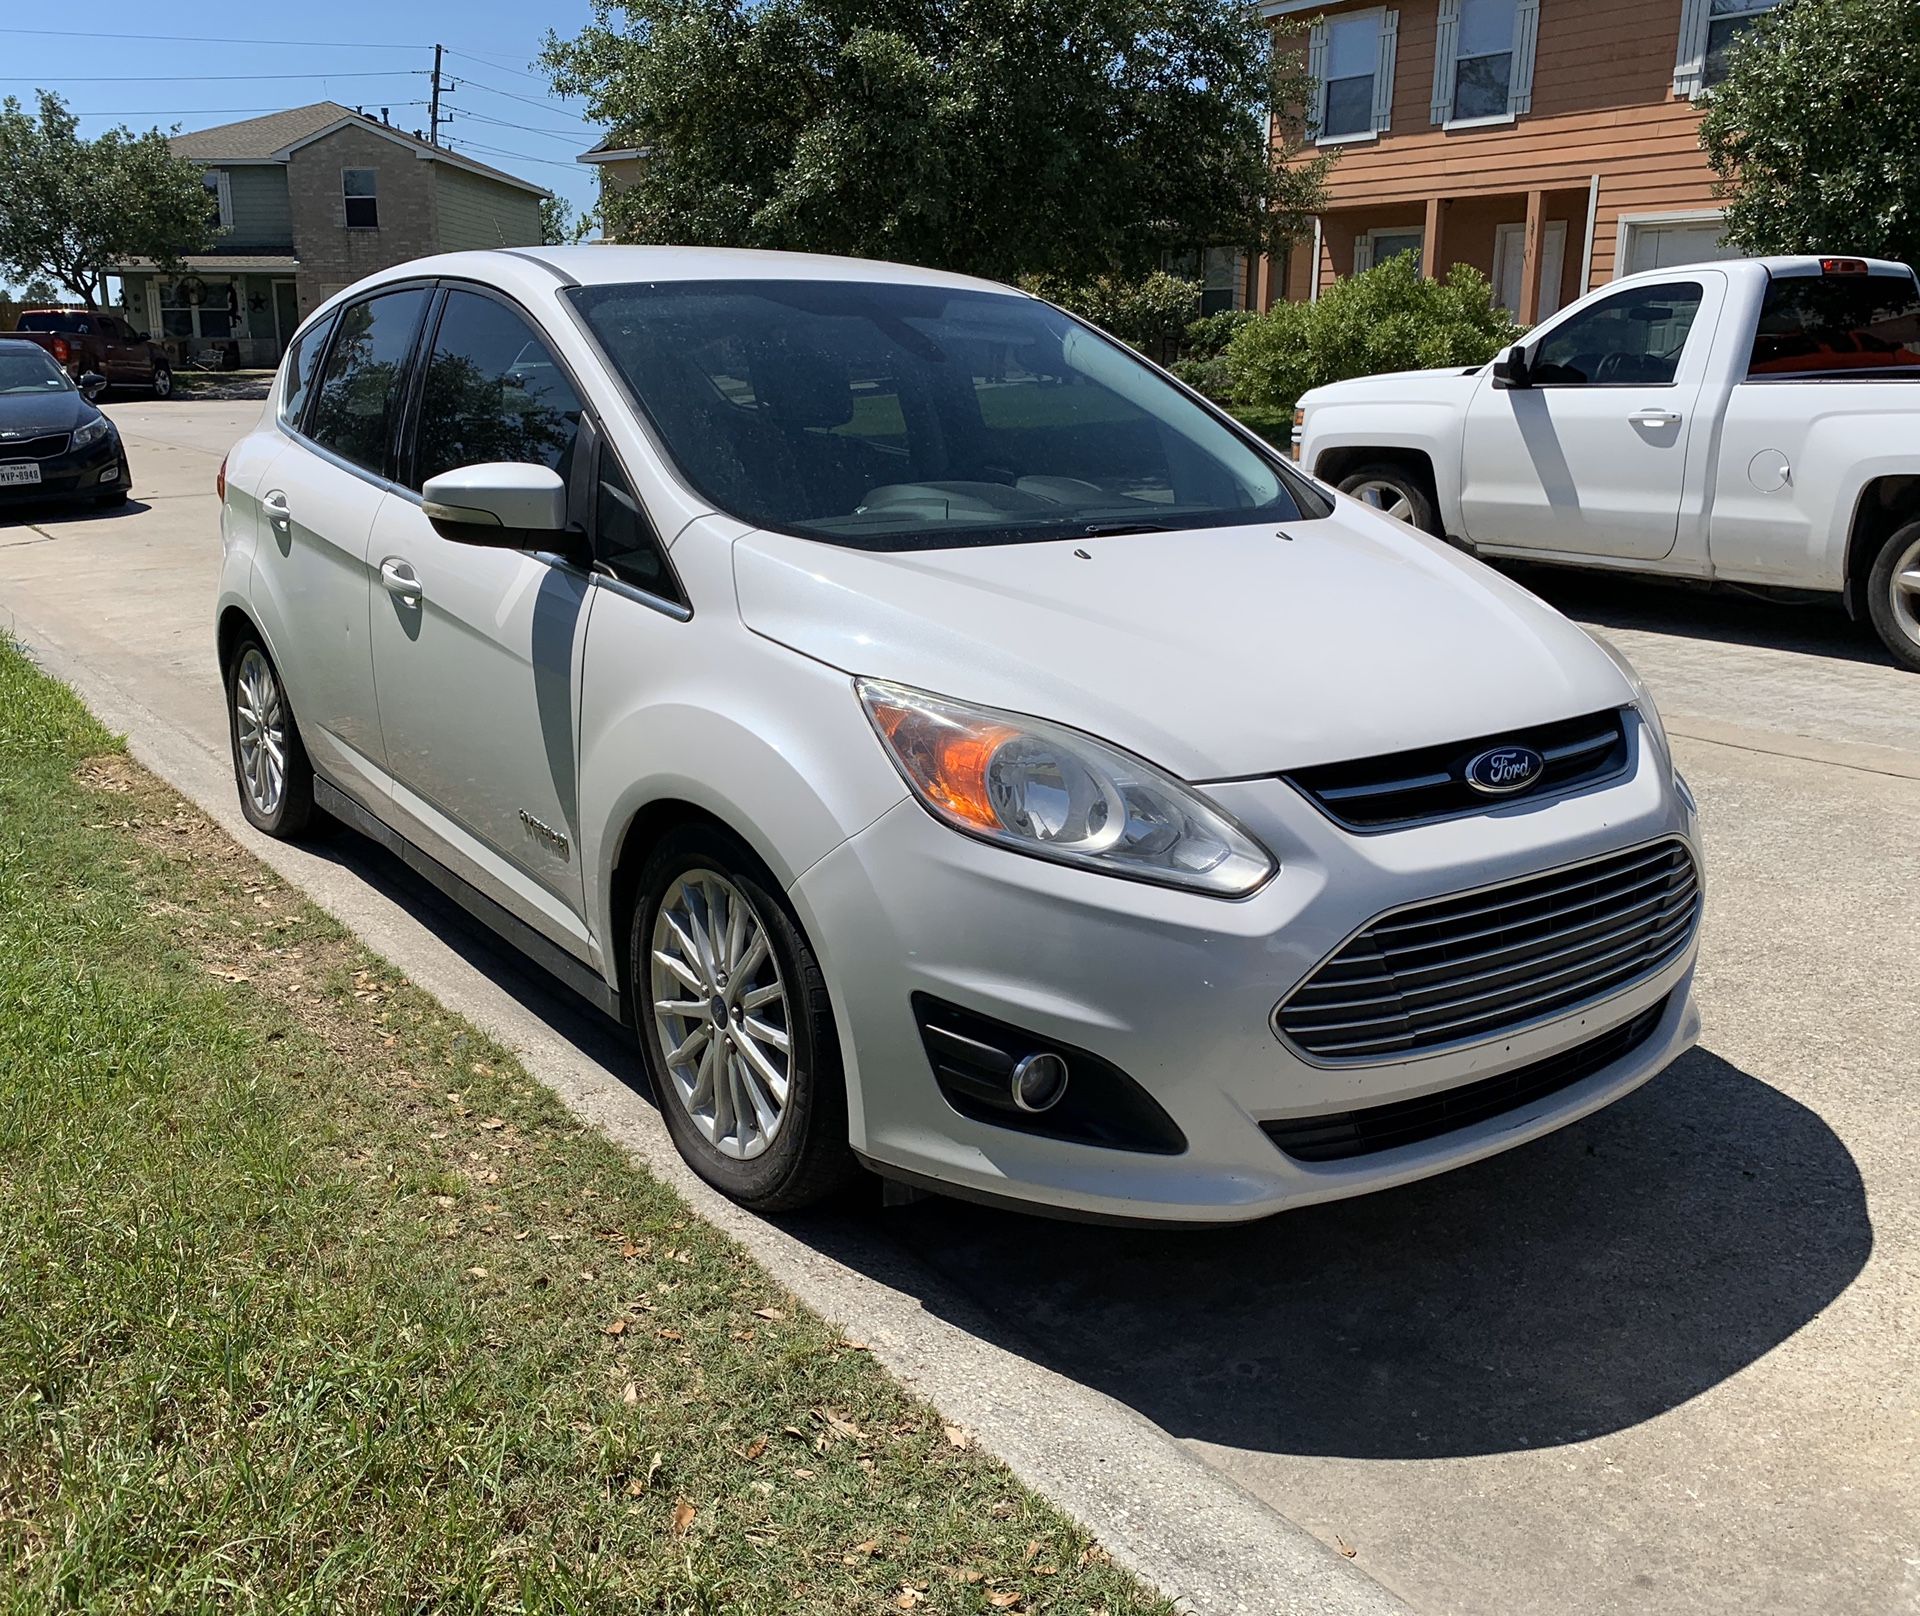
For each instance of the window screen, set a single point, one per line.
(1483, 60)
(1353, 56)
(492, 392)
(1839, 325)
(365, 378)
(360, 188)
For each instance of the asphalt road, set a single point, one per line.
(1665, 1360)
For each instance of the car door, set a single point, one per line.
(474, 649)
(121, 359)
(319, 499)
(1591, 458)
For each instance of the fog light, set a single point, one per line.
(1039, 1082)
(109, 474)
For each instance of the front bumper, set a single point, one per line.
(100, 468)
(1178, 991)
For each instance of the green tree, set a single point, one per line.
(1813, 131)
(1387, 319)
(559, 224)
(72, 210)
(1002, 137)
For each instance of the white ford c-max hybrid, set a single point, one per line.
(951, 744)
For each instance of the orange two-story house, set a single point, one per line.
(1553, 144)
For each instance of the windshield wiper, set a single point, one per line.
(1119, 530)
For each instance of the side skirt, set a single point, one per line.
(508, 927)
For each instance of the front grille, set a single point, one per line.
(1483, 964)
(1414, 788)
(1343, 1135)
(42, 448)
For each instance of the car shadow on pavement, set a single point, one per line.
(1582, 1284)
(1820, 627)
(66, 513)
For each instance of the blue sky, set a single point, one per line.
(360, 52)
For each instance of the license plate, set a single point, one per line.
(24, 471)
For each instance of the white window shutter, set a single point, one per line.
(1383, 72)
(1526, 34)
(1317, 70)
(1445, 46)
(1690, 66)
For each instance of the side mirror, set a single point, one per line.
(1513, 369)
(92, 385)
(503, 505)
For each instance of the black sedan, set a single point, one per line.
(53, 443)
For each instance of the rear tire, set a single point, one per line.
(1393, 490)
(766, 1125)
(269, 760)
(1893, 596)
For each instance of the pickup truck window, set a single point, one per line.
(68, 324)
(1633, 339)
(1865, 326)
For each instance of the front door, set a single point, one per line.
(475, 649)
(1591, 459)
(286, 316)
(1510, 266)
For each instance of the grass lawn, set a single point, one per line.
(311, 1299)
(1275, 425)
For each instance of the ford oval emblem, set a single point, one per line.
(1505, 770)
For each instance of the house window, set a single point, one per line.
(193, 310)
(360, 187)
(219, 198)
(1377, 247)
(1483, 61)
(1352, 60)
(1727, 20)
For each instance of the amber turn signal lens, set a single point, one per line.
(949, 760)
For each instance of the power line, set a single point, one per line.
(472, 56)
(202, 39)
(203, 78)
(500, 151)
(195, 112)
(572, 135)
(513, 95)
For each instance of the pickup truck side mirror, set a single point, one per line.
(92, 384)
(1513, 369)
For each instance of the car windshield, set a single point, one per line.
(909, 417)
(52, 322)
(26, 369)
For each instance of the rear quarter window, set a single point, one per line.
(303, 358)
(1827, 326)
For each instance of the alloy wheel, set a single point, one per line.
(1389, 499)
(260, 726)
(1906, 592)
(721, 1012)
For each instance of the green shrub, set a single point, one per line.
(1151, 315)
(1386, 319)
(1209, 376)
(1208, 336)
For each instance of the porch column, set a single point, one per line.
(1530, 264)
(1430, 241)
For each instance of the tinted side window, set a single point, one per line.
(492, 392)
(365, 378)
(1633, 339)
(302, 359)
(1838, 325)
(623, 537)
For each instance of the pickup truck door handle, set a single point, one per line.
(278, 512)
(401, 581)
(1654, 417)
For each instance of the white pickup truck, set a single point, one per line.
(1739, 422)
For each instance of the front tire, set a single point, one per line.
(269, 760)
(1393, 491)
(1893, 596)
(162, 379)
(734, 1019)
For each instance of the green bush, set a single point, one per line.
(1386, 319)
(1209, 376)
(1208, 336)
(1151, 315)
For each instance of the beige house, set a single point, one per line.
(1553, 144)
(308, 201)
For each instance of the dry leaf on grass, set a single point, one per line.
(683, 1514)
(959, 1437)
(840, 1425)
(1033, 1548)
(617, 1327)
(494, 1124)
(1006, 1599)
(907, 1600)
(631, 1395)
(756, 1447)
(772, 1313)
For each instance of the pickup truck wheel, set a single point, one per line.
(733, 1015)
(269, 761)
(162, 379)
(1893, 596)
(1393, 491)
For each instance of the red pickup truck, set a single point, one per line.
(80, 342)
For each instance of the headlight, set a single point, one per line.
(1642, 698)
(1052, 792)
(90, 434)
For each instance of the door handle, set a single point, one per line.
(1654, 417)
(401, 581)
(277, 509)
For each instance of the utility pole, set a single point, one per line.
(433, 107)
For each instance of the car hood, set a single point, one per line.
(1216, 652)
(34, 415)
(1397, 384)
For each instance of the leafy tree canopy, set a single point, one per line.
(999, 137)
(559, 224)
(71, 210)
(1813, 131)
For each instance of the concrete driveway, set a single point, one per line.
(1668, 1359)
